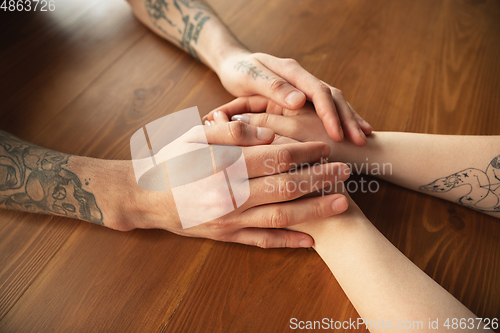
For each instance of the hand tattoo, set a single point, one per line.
(248, 67)
(180, 20)
(38, 180)
(484, 194)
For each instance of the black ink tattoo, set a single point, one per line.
(180, 20)
(248, 67)
(484, 194)
(38, 180)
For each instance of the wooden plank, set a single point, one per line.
(244, 289)
(26, 246)
(39, 86)
(103, 280)
(458, 93)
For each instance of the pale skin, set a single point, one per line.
(195, 28)
(105, 192)
(380, 281)
(445, 166)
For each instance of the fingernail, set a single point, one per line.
(215, 113)
(241, 117)
(294, 98)
(207, 123)
(264, 134)
(212, 122)
(305, 243)
(338, 205)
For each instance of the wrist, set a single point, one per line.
(112, 185)
(221, 56)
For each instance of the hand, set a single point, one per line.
(288, 85)
(260, 219)
(302, 125)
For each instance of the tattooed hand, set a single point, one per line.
(195, 28)
(287, 84)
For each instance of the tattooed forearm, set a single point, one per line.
(248, 67)
(180, 20)
(484, 194)
(39, 180)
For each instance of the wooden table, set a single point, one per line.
(83, 78)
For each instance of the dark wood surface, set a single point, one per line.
(82, 79)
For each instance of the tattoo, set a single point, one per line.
(248, 67)
(180, 20)
(38, 180)
(484, 194)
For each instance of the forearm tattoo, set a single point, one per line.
(484, 193)
(38, 180)
(180, 20)
(248, 67)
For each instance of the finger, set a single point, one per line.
(269, 160)
(272, 238)
(281, 125)
(315, 90)
(351, 127)
(292, 185)
(233, 133)
(241, 105)
(220, 117)
(365, 126)
(286, 214)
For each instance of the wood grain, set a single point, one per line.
(83, 80)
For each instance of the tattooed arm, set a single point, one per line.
(195, 28)
(458, 168)
(38, 180)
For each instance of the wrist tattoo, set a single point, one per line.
(484, 193)
(248, 67)
(38, 180)
(180, 20)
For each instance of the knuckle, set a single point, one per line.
(284, 159)
(325, 89)
(263, 119)
(236, 130)
(287, 188)
(279, 218)
(291, 62)
(337, 91)
(277, 84)
(318, 210)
